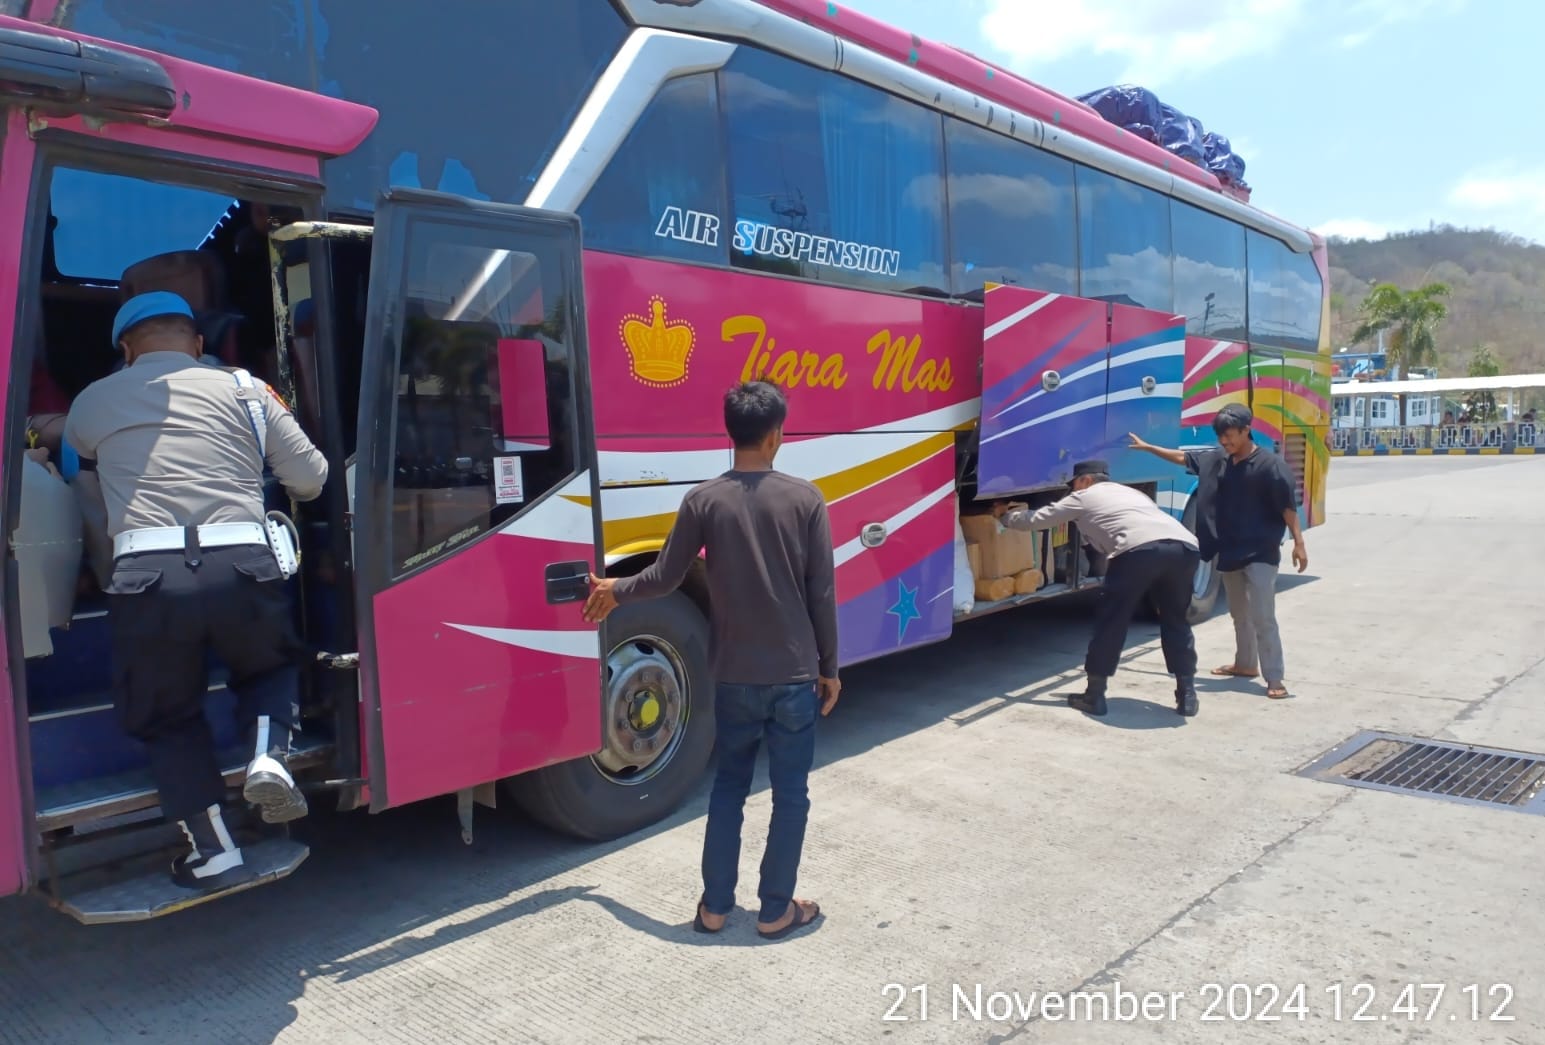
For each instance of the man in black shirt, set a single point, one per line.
(772, 592)
(1246, 503)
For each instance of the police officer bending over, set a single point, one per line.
(1150, 554)
(179, 448)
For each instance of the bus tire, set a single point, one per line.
(1204, 590)
(656, 680)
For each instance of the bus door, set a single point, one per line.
(122, 172)
(476, 499)
(1043, 388)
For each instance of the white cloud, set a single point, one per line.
(1158, 39)
(1375, 16)
(1352, 228)
(1507, 199)
(1493, 191)
(1162, 41)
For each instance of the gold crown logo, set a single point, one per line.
(658, 350)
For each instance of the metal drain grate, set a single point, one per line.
(1416, 765)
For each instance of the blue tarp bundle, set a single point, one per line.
(1138, 110)
(1134, 108)
(1221, 159)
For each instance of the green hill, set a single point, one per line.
(1496, 283)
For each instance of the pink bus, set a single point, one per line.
(501, 265)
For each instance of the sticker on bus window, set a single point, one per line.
(755, 237)
(507, 481)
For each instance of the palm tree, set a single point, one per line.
(1411, 317)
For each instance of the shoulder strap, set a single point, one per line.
(246, 391)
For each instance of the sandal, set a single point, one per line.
(700, 926)
(799, 921)
(1230, 671)
(1277, 691)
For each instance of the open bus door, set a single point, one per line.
(476, 503)
(1067, 378)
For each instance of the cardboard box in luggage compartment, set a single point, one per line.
(994, 589)
(1004, 553)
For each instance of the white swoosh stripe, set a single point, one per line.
(558, 518)
(1159, 392)
(1218, 347)
(585, 645)
(897, 521)
(1018, 317)
(1079, 407)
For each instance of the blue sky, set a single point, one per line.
(1354, 117)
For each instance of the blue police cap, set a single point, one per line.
(148, 306)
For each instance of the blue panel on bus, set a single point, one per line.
(1043, 388)
(1144, 389)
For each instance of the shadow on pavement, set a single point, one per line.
(361, 902)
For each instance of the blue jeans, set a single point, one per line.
(786, 716)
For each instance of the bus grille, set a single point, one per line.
(1295, 451)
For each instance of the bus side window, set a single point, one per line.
(1124, 242)
(1012, 213)
(662, 195)
(832, 179)
(484, 411)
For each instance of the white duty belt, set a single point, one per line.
(276, 533)
(172, 538)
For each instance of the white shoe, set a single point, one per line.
(270, 787)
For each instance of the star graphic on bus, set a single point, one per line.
(905, 609)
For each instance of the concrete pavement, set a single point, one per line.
(968, 830)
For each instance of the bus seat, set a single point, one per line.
(197, 275)
(48, 555)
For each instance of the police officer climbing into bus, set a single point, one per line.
(179, 448)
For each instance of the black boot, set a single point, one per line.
(1185, 695)
(269, 785)
(215, 862)
(1092, 700)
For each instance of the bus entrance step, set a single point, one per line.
(155, 894)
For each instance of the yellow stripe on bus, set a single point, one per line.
(647, 532)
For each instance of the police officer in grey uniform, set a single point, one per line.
(1151, 555)
(179, 448)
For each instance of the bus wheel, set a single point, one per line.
(1206, 583)
(656, 727)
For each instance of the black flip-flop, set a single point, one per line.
(799, 922)
(697, 921)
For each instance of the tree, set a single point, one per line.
(1411, 317)
(1482, 406)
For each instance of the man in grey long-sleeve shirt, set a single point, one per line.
(773, 614)
(1150, 554)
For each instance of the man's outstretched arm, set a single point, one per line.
(1164, 453)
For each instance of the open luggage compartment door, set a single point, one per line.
(1043, 388)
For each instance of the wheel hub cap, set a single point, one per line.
(645, 708)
